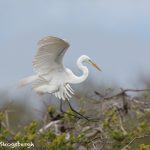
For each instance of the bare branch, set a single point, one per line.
(124, 92)
(133, 140)
(49, 125)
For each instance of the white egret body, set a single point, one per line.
(52, 76)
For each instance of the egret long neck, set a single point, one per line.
(85, 72)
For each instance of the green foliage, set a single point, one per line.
(1, 116)
(45, 140)
(114, 129)
(59, 143)
(144, 147)
(118, 135)
(51, 109)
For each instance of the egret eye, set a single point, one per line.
(89, 61)
(86, 61)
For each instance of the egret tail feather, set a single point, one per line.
(27, 80)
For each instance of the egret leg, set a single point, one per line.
(77, 112)
(61, 109)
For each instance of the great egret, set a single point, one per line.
(52, 76)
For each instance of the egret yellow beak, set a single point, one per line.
(95, 66)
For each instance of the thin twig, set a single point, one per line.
(48, 126)
(5, 126)
(123, 92)
(132, 141)
(6, 118)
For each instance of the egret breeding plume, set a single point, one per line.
(52, 76)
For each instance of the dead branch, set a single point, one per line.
(49, 125)
(133, 140)
(123, 93)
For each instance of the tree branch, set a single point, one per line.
(133, 140)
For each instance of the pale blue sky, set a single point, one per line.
(114, 33)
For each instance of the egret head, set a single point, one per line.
(88, 60)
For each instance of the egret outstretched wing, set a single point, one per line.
(50, 54)
(48, 62)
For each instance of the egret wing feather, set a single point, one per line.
(39, 82)
(48, 62)
(50, 54)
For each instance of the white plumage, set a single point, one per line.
(52, 76)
